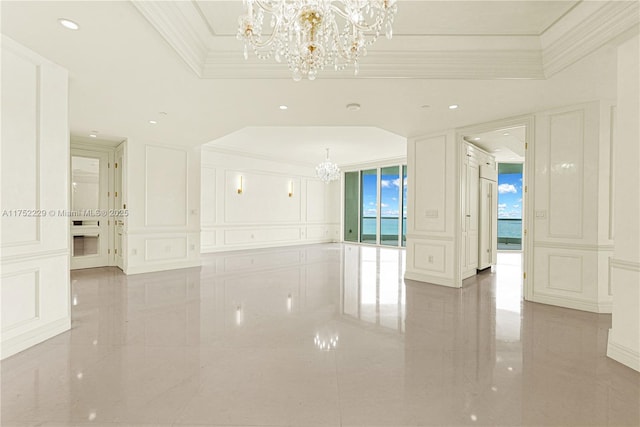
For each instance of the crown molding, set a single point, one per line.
(585, 30)
(182, 26)
(441, 64)
(587, 27)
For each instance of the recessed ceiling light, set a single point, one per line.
(353, 107)
(153, 122)
(453, 106)
(283, 107)
(476, 139)
(93, 135)
(506, 134)
(68, 24)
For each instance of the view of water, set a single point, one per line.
(506, 227)
(510, 228)
(389, 225)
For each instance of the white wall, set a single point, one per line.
(35, 176)
(432, 191)
(571, 199)
(162, 196)
(624, 337)
(264, 215)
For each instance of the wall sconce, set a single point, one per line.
(290, 188)
(239, 315)
(240, 185)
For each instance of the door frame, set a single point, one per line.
(108, 149)
(528, 121)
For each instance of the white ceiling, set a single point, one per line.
(308, 144)
(506, 144)
(123, 73)
(431, 17)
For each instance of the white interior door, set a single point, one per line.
(89, 209)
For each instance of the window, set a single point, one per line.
(509, 206)
(375, 206)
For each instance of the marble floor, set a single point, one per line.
(323, 335)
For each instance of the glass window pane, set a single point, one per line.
(404, 205)
(351, 206)
(389, 205)
(510, 206)
(369, 206)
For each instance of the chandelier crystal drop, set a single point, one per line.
(328, 171)
(310, 35)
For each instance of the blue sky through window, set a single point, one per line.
(510, 195)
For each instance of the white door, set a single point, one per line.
(89, 212)
(120, 208)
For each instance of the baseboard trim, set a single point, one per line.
(433, 280)
(35, 336)
(151, 268)
(603, 307)
(623, 354)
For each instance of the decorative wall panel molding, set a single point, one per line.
(565, 273)
(166, 186)
(566, 174)
(35, 176)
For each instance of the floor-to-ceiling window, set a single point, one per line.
(375, 206)
(369, 206)
(351, 214)
(389, 206)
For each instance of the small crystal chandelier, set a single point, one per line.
(328, 171)
(310, 35)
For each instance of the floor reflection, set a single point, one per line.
(373, 285)
(317, 335)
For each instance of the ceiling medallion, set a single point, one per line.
(328, 171)
(310, 35)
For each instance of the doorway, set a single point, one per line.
(95, 214)
(508, 141)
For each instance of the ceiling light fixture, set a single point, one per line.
(453, 106)
(283, 107)
(93, 135)
(69, 24)
(506, 134)
(310, 35)
(327, 171)
(476, 139)
(153, 122)
(353, 107)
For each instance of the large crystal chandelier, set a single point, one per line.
(310, 35)
(327, 171)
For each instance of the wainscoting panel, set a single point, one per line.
(35, 195)
(571, 238)
(251, 201)
(23, 288)
(165, 248)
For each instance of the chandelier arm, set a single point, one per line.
(342, 50)
(366, 27)
(255, 40)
